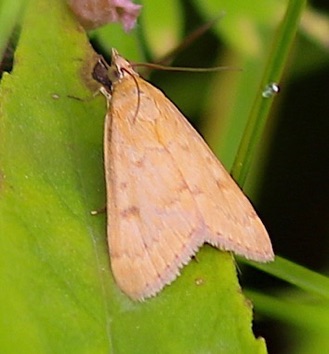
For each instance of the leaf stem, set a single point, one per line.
(273, 72)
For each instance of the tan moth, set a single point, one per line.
(167, 193)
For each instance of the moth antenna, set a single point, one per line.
(187, 69)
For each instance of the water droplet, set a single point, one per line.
(271, 90)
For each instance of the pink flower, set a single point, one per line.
(96, 13)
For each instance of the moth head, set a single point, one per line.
(120, 67)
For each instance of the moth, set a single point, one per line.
(167, 193)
